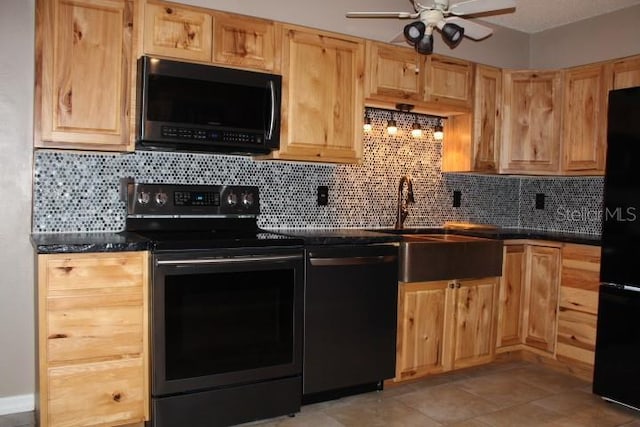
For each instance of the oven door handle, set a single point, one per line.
(235, 260)
(359, 260)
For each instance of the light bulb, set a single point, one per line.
(438, 133)
(367, 127)
(392, 128)
(416, 131)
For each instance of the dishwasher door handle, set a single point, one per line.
(357, 260)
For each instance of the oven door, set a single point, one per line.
(225, 317)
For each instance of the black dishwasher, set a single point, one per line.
(350, 320)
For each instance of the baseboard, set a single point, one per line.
(16, 404)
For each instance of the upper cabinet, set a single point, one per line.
(196, 34)
(625, 72)
(584, 119)
(322, 96)
(448, 81)
(393, 73)
(83, 74)
(531, 122)
(487, 118)
(433, 84)
(177, 31)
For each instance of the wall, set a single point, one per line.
(16, 257)
(614, 35)
(16, 94)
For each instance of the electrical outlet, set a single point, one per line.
(540, 200)
(457, 196)
(323, 195)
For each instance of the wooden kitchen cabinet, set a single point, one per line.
(393, 73)
(487, 119)
(541, 296)
(531, 122)
(177, 31)
(584, 117)
(92, 339)
(511, 296)
(578, 312)
(625, 72)
(448, 81)
(196, 34)
(322, 99)
(84, 74)
(472, 140)
(445, 325)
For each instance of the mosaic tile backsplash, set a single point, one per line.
(77, 192)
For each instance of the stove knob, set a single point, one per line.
(161, 198)
(232, 199)
(247, 200)
(144, 197)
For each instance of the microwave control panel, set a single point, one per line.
(199, 134)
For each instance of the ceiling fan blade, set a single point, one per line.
(471, 29)
(471, 7)
(401, 15)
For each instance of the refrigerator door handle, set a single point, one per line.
(624, 287)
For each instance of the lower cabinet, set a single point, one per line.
(548, 302)
(92, 339)
(578, 306)
(445, 325)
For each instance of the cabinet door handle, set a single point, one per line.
(458, 285)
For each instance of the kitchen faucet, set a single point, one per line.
(403, 202)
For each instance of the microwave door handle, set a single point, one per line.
(272, 121)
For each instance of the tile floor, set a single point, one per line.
(513, 394)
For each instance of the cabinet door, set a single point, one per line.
(108, 393)
(511, 298)
(393, 72)
(83, 74)
(486, 120)
(577, 317)
(322, 99)
(626, 73)
(531, 122)
(474, 326)
(448, 81)
(584, 120)
(175, 31)
(541, 306)
(424, 329)
(244, 42)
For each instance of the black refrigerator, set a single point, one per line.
(617, 361)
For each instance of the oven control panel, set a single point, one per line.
(190, 200)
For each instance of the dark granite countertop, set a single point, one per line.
(506, 234)
(59, 243)
(53, 243)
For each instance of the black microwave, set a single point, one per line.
(184, 106)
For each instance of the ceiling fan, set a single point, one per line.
(446, 18)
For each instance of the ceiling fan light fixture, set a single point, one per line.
(452, 34)
(425, 45)
(414, 32)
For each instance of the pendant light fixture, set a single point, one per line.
(367, 126)
(438, 131)
(392, 126)
(416, 129)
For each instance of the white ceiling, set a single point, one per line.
(533, 16)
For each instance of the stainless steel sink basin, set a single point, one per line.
(425, 257)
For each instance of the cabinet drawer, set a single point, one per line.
(94, 327)
(114, 392)
(579, 299)
(77, 272)
(576, 336)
